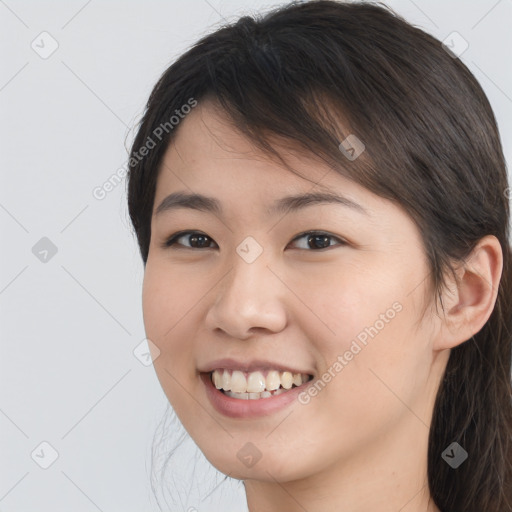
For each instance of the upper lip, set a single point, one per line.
(249, 366)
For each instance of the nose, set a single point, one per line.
(248, 299)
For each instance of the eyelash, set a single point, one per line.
(176, 236)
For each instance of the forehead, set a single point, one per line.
(208, 152)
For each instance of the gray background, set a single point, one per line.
(69, 325)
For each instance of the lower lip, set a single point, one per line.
(240, 408)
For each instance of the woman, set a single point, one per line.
(321, 204)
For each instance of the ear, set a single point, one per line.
(470, 298)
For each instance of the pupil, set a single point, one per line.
(324, 238)
(201, 239)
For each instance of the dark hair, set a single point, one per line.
(309, 74)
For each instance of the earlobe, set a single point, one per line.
(470, 298)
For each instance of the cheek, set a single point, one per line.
(368, 344)
(168, 313)
(168, 322)
(353, 303)
(167, 298)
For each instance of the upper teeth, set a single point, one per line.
(256, 382)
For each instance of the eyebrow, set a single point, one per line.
(203, 203)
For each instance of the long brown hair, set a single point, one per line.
(312, 73)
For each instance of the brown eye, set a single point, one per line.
(196, 240)
(318, 240)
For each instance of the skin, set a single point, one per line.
(360, 444)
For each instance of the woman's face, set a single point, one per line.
(344, 306)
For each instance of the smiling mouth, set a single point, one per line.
(256, 385)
